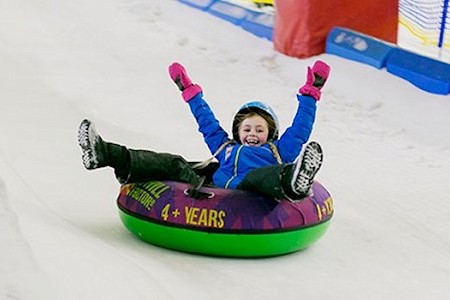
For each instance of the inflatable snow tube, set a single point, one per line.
(230, 223)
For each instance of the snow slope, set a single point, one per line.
(386, 143)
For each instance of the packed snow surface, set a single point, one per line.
(386, 144)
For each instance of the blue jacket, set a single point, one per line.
(236, 160)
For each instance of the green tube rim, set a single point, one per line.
(223, 244)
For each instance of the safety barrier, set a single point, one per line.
(255, 22)
(426, 73)
(357, 46)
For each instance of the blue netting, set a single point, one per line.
(428, 20)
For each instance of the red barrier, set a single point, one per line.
(301, 26)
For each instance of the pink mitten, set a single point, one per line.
(179, 75)
(315, 80)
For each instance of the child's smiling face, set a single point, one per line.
(253, 131)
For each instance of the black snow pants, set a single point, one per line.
(143, 165)
(273, 181)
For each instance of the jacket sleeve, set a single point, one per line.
(213, 134)
(291, 142)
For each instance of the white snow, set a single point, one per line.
(386, 143)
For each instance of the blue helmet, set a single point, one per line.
(261, 109)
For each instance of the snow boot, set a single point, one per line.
(303, 171)
(94, 152)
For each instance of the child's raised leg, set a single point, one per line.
(132, 165)
(286, 181)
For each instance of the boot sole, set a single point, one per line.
(307, 169)
(84, 140)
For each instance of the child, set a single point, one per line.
(255, 159)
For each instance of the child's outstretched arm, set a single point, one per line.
(292, 140)
(213, 134)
